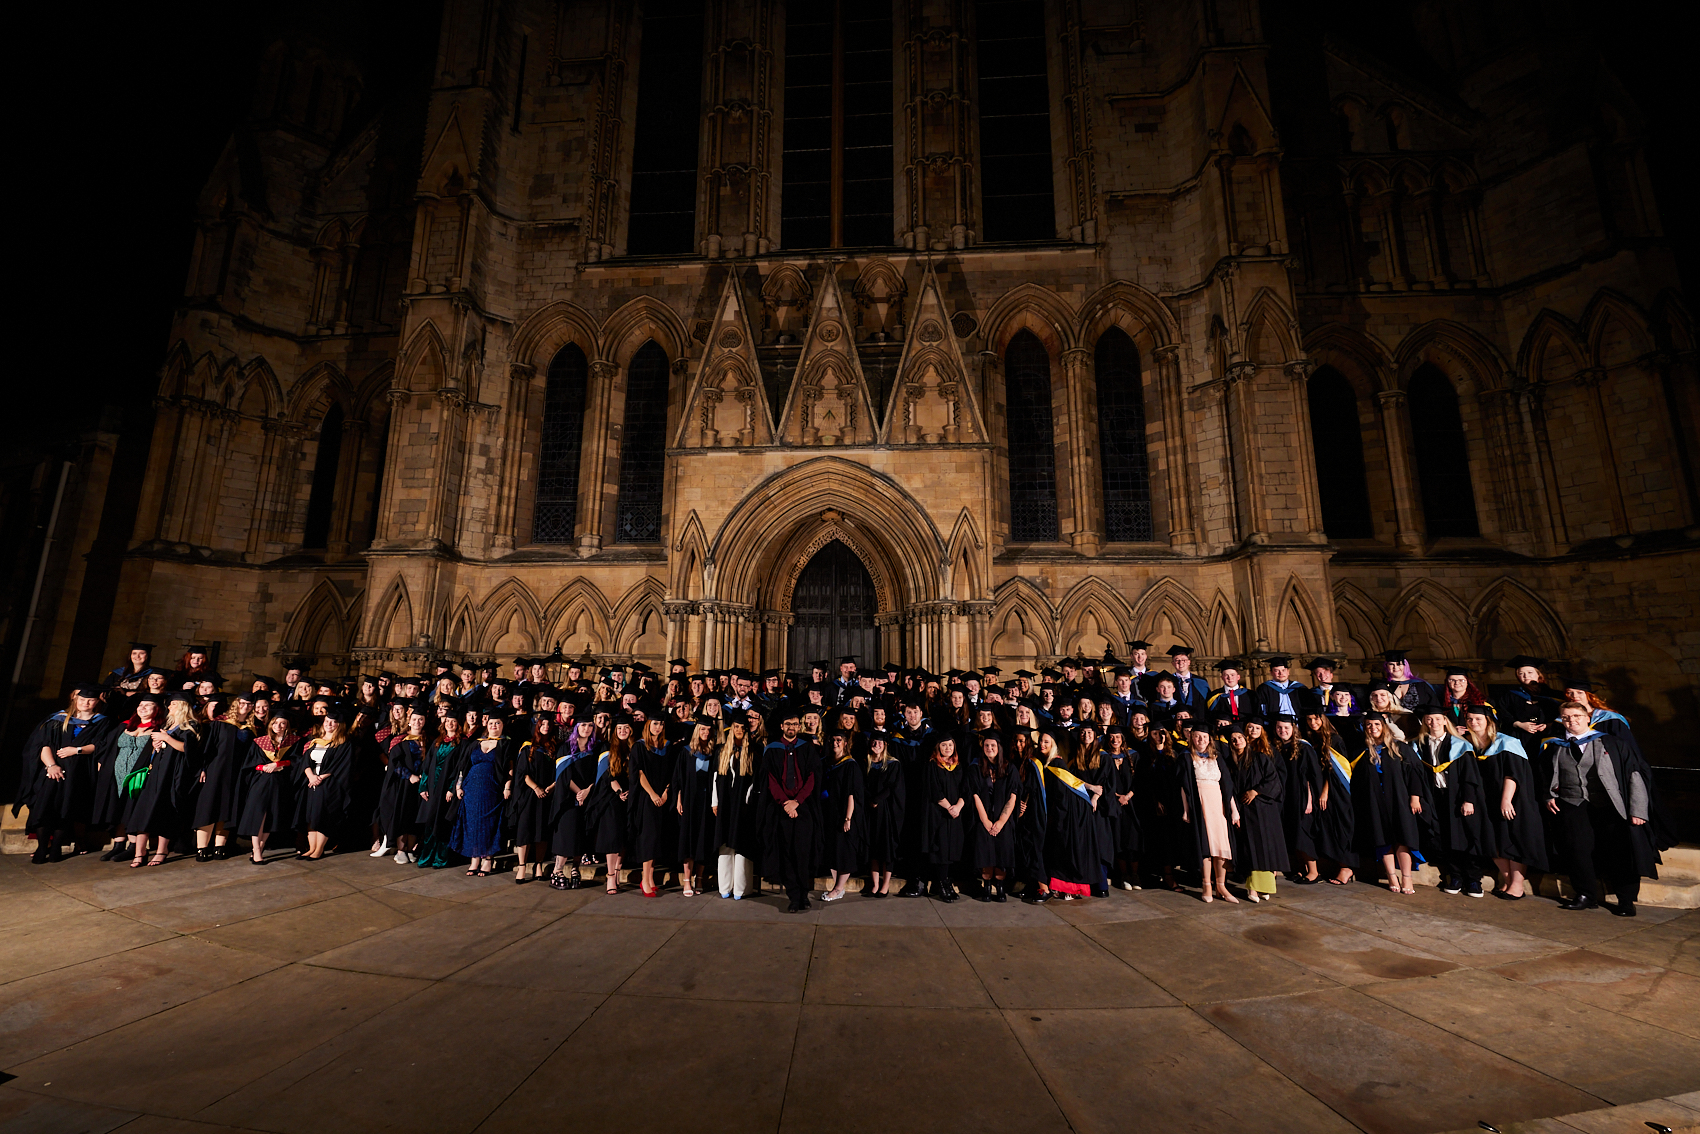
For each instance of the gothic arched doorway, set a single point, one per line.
(833, 605)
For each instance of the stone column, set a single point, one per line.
(593, 458)
(1509, 463)
(1299, 375)
(1591, 380)
(505, 535)
(1243, 452)
(342, 495)
(1176, 460)
(1395, 430)
(1081, 442)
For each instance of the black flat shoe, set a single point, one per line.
(1581, 902)
(205, 854)
(1508, 897)
(1624, 909)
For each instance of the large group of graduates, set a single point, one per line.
(1052, 786)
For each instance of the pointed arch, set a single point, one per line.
(1460, 351)
(1361, 620)
(1269, 333)
(1019, 597)
(1222, 628)
(1141, 313)
(580, 606)
(1167, 600)
(690, 567)
(637, 620)
(1029, 307)
(545, 331)
(463, 622)
(962, 555)
(392, 621)
(498, 608)
(261, 393)
(1552, 349)
(1298, 622)
(1617, 329)
(1359, 356)
(1430, 621)
(1106, 606)
(637, 322)
(424, 361)
(322, 613)
(1509, 619)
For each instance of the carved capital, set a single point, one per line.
(521, 372)
(1301, 369)
(1390, 399)
(1239, 371)
(603, 370)
(398, 395)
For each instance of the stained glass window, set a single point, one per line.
(643, 446)
(556, 510)
(1032, 450)
(1122, 459)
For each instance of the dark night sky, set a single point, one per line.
(134, 108)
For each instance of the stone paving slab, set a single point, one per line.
(354, 994)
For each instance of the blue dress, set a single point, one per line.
(478, 827)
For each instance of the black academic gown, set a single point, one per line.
(528, 815)
(1301, 785)
(56, 805)
(566, 815)
(218, 800)
(1336, 824)
(1448, 783)
(1071, 831)
(163, 805)
(1156, 800)
(845, 851)
(607, 820)
(1032, 820)
(1522, 838)
(325, 808)
(986, 850)
(1381, 801)
(398, 798)
(1126, 836)
(438, 807)
(267, 802)
(738, 799)
(943, 837)
(790, 845)
(1260, 843)
(884, 789)
(693, 782)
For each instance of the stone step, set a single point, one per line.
(1680, 861)
(12, 837)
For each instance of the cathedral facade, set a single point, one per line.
(940, 332)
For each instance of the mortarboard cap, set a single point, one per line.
(1180, 651)
(1522, 660)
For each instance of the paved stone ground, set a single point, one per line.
(357, 995)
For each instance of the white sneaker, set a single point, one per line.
(383, 849)
(402, 857)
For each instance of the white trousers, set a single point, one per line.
(734, 873)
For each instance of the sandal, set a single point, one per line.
(157, 860)
(613, 886)
(472, 872)
(138, 863)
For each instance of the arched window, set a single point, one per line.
(669, 123)
(1442, 457)
(1339, 444)
(1121, 439)
(643, 444)
(322, 500)
(1032, 451)
(556, 510)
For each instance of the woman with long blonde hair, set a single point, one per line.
(323, 789)
(1514, 834)
(164, 796)
(732, 799)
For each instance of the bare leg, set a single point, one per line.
(1406, 879)
(1391, 871)
(1222, 882)
(260, 846)
(613, 861)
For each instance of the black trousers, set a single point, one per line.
(1596, 842)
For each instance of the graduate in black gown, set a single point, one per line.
(62, 757)
(1093, 767)
(161, 809)
(1156, 798)
(1120, 761)
(887, 802)
(1261, 842)
(607, 819)
(1513, 835)
(655, 829)
(1032, 818)
(693, 792)
(912, 743)
(790, 815)
(399, 796)
(735, 798)
(575, 777)
(991, 842)
(530, 796)
(1453, 803)
(1336, 818)
(1073, 858)
(268, 796)
(323, 787)
(217, 803)
(1387, 804)
(1302, 784)
(944, 790)
(844, 814)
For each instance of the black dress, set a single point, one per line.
(1261, 842)
(986, 850)
(1381, 801)
(885, 792)
(606, 820)
(1126, 829)
(268, 798)
(693, 785)
(941, 834)
(845, 851)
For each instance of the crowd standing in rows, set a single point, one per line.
(1056, 785)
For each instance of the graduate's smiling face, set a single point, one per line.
(1324, 674)
(138, 658)
(789, 727)
(1284, 731)
(1575, 720)
(1457, 684)
(86, 705)
(1435, 724)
